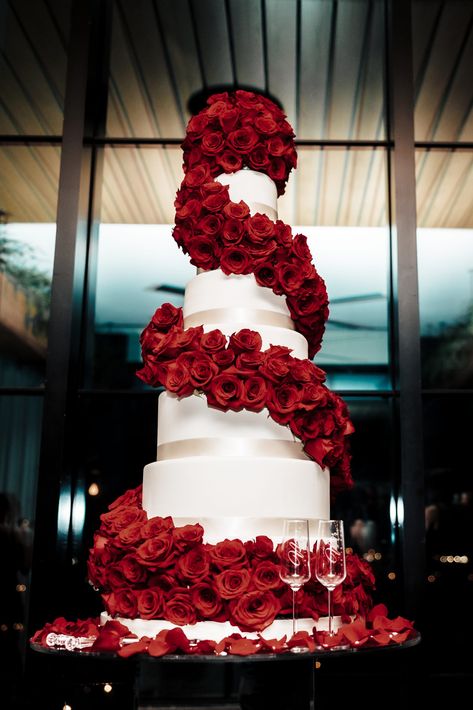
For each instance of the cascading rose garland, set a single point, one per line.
(235, 373)
(219, 233)
(151, 569)
(239, 130)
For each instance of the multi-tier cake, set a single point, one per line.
(248, 434)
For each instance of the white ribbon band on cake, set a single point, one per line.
(231, 446)
(239, 315)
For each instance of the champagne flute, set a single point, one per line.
(330, 564)
(294, 567)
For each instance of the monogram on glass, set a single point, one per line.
(294, 562)
(330, 564)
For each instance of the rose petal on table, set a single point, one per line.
(131, 649)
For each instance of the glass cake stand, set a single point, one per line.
(284, 672)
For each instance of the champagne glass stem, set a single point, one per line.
(330, 630)
(294, 625)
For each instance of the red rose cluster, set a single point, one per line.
(150, 569)
(219, 233)
(235, 373)
(241, 129)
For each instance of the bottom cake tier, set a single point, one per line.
(154, 574)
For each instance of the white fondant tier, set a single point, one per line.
(216, 631)
(192, 418)
(256, 189)
(230, 303)
(237, 496)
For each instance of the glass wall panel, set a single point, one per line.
(448, 520)
(33, 59)
(338, 199)
(163, 53)
(28, 196)
(443, 57)
(370, 510)
(445, 256)
(20, 432)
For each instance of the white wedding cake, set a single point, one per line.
(248, 433)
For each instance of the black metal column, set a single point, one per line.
(410, 500)
(85, 105)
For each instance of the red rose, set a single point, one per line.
(197, 176)
(266, 576)
(306, 301)
(219, 105)
(216, 201)
(130, 535)
(131, 497)
(265, 274)
(228, 553)
(291, 277)
(122, 603)
(194, 565)
(260, 548)
(204, 252)
(231, 583)
(243, 139)
(132, 570)
(236, 210)
(300, 248)
(179, 608)
(120, 518)
(163, 580)
(254, 398)
(187, 536)
(247, 363)
(150, 603)
(254, 611)
(206, 600)
(260, 251)
(229, 162)
(259, 158)
(224, 358)
(266, 124)
(197, 124)
(313, 395)
(283, 400)
(213, 341)
(212, 143)
(278, 145)
(157, 552)
(201, 368)
(166, 316)
(211, 224)
(246, 340)
(277, 169)
(226, 391)
(235, 260)
(177, 380)
(306, 371)
(115, 578)
(310, 425)
(233, 231)
(182, 236)
(228, 119)
(283, 234)
(189, 210)
(276, 365)
(260, 228)
(155, 526)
